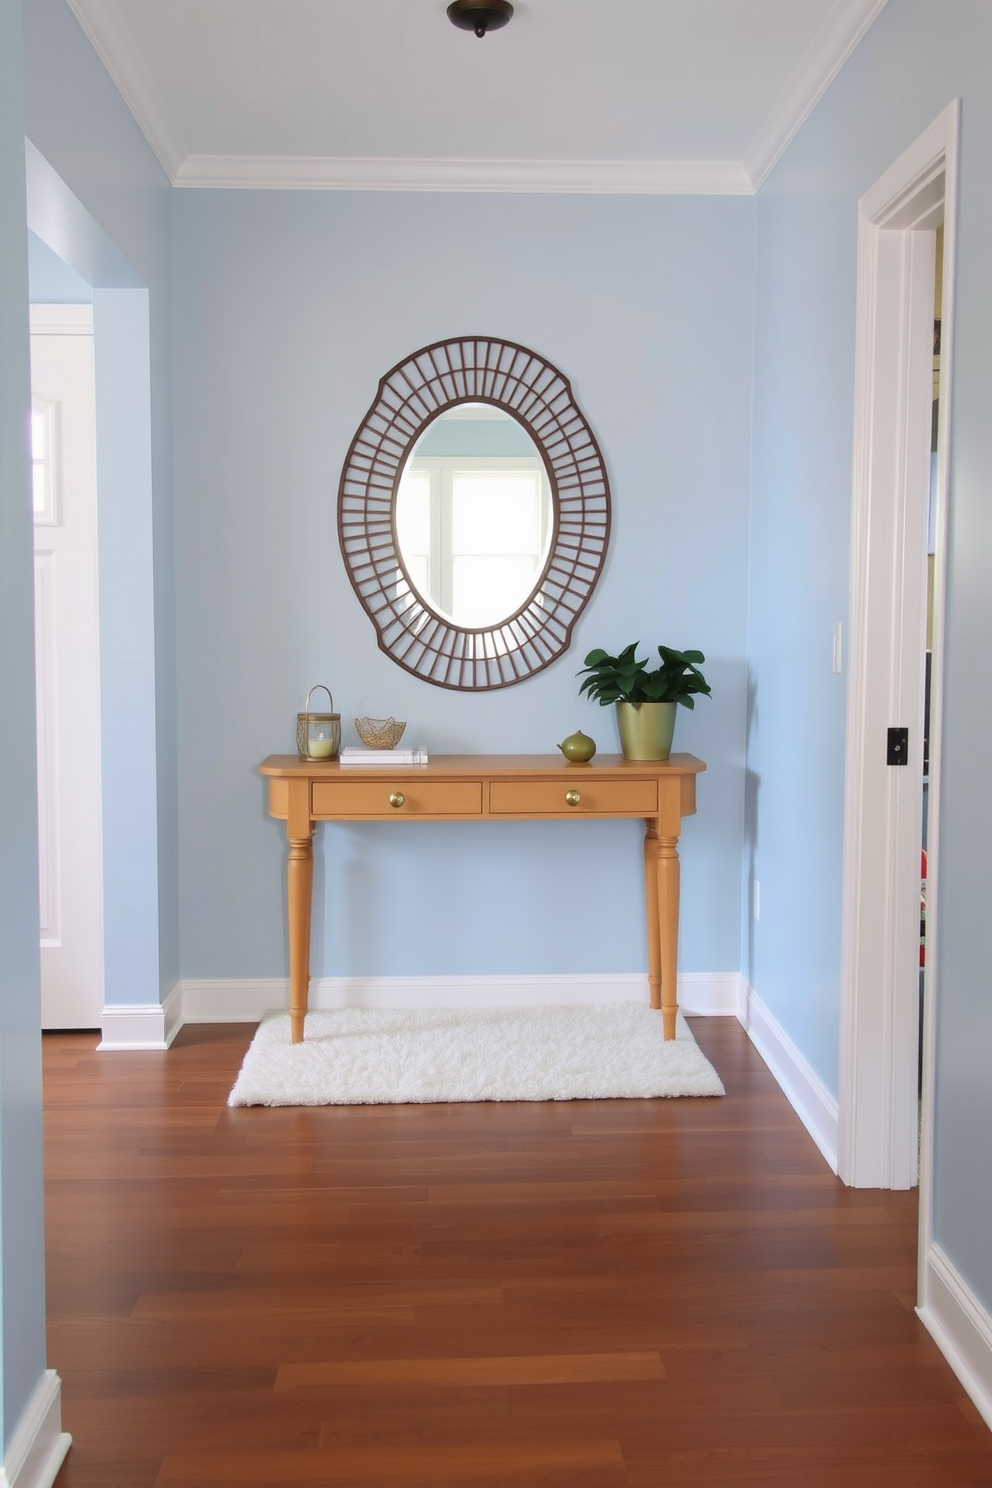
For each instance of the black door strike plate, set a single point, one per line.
(897, 751)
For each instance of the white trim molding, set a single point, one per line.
(709, 994)
(379, 173)
(246, 1000)
(800, 1084)
(232, 999)
(879, 1025)
(835, 41)
(38, 1446)
(61, 320)
(961, 1327)
(134, 1026)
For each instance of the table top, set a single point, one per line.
(288, 766)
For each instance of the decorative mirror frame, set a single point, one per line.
(474, 369)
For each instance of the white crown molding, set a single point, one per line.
(823, 60)
(106, 29)
(374, 173)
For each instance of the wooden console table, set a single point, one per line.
(490, 787)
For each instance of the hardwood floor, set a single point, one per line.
(588, 1293)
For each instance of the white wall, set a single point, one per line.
(289, 307)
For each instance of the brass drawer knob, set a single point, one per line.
(397, 798)
(573, 798)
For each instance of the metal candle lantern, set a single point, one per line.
(318, 735)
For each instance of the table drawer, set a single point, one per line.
(369, 798)
(596, 797)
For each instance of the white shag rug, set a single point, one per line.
(376, 1056)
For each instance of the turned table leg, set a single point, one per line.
(299, 886)
(668, 906)
(661, 885)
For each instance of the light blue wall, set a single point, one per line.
(99, 200)
(22, 1251)
(804, 391)
(915, 59)
(131, 897)
(50, 280)
(288, 310)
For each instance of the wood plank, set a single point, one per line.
(526, 1369)
(355, 1302)
(403, 1464)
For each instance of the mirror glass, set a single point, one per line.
(473, 515)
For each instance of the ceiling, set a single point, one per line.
(573, 95)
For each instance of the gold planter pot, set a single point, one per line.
(646, 730)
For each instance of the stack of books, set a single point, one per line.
(362, 756)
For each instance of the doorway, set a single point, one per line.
(67, 662)
(879, 1107)
(137, 790)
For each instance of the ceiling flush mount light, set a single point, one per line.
(470, 15)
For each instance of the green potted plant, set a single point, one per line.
(646, 700)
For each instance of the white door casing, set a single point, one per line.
(878, 1105)
(68, 671)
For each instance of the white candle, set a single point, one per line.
(321, 748)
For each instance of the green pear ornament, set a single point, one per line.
(578, 748)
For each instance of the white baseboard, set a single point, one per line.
(960, 1326)
(234, 1000)
(142, 1025)
(38, 1446)
(801, 1085)
(709, 994)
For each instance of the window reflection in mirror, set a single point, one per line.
(473, 515)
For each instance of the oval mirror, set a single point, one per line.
(474, 513)
(474, 516)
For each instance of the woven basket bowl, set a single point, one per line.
(379, 733)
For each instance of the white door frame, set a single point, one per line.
(882, 809)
